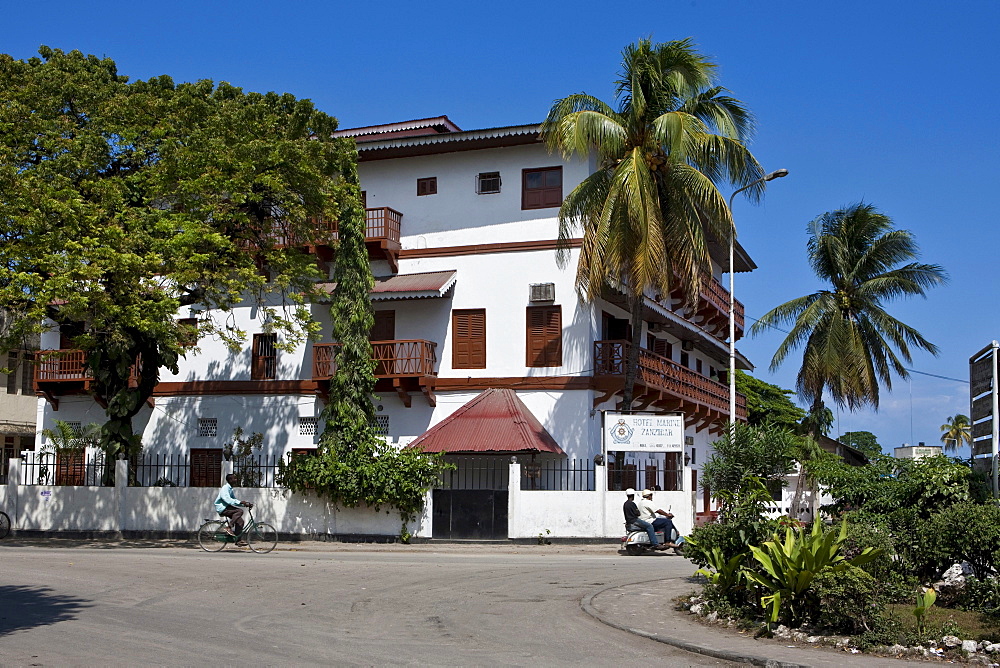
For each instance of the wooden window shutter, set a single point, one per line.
(71, 468)
(206, 467)
(544, 336)
(468, 339)
(662, 348)
(264, 360)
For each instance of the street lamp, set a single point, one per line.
(776, 174)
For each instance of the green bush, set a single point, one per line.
(893, 571)
(852, 601)
(966, 531)
(981, 596)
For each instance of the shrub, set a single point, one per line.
(851, 600)
(981, 596)
(893, 571)
(966, 531)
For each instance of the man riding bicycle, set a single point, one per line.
(229, 506)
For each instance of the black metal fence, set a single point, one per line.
(160, 470)
(257, 470)
(665, 474)
(560, 475)
(67, 468)
(472, 472)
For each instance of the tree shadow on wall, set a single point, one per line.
(29, 607)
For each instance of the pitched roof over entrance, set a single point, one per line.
(496, 421)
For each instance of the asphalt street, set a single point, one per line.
(168, 603)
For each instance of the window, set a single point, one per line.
(307, 426)
(206, 467)
(661, 347)
(468, 346)
(208, 427)
(12, 375)
(381, 425)
(264, 360)
(188, 334)
(487, 183)
(697, 365)
(544, 336)
(541, 188)
(428, 186)
(20, 366)
(685, 361)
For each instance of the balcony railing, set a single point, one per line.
(659, 373)
(383, 223)
(713, 292)
(413, 357)
(63, 365)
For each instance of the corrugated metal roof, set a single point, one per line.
(408, 286)
(364, 133)
(449, 137)
(495, 421)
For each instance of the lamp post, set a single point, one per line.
(776, 174)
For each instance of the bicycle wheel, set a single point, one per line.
(211, 536)
(262, 538)
(4, 524)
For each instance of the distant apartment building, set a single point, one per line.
(918, 451)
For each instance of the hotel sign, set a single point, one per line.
(643, 433)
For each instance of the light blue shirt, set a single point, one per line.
(225, 498)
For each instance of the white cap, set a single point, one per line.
(629, 492)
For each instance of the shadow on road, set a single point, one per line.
(99, 543)
(28, 607)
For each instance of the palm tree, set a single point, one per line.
(850, 341)
(956, 431)
(653, 202)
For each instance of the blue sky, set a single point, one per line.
(889, 102)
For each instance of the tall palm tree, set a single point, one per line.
(956, 431)
(648, 210)
(850, 341)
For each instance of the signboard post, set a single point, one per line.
(984, 410)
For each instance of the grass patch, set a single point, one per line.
(947, 621)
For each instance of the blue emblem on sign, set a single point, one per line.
(621, 432)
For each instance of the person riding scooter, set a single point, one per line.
(648, 513)
(633, 521)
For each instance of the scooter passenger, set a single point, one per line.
(648, 513)
(633, 520)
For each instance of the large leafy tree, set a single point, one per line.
(955, 432)
(122, 202)
(767, 403)
(865, 441)
(649, 209)
(851, 344)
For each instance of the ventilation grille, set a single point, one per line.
(307, 426)
(208, 426)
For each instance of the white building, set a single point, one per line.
(462, 229)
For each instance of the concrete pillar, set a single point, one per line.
(514, 499)
(121, 491)
(601, 488)
(227, 468)
(13, 482)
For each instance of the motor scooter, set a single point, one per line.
(636, 541)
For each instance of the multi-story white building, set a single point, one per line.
(479, 335)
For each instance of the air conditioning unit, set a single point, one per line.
(542, 292)
(689, 440)
(687, 345)
(656, 327)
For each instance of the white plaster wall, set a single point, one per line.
(68, 508)
(456, 215)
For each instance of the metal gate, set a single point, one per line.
(471, 501)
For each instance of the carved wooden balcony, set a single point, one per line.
(712, 311)
(664, 384)
(63, 371)
(404, 366)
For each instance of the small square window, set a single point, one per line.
(208, 426)
(428, 186)
(487, 183)
(307, 426)
(382, 425)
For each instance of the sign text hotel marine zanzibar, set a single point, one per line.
(643, 433)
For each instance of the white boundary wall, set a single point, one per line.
(552, 514)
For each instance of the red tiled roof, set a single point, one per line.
(495, 421)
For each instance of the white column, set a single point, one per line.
(13, 482)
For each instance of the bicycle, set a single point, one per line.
(4, 524)
(260, 537)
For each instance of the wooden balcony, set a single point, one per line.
(62, 372)
(712, 312)
(664, 384)
(403, 366)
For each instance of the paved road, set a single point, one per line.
(73, 602)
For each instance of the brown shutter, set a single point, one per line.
(71, 468)
(544, 336)
(541, 188)
(468, 339)
(206, 467)
(663, 348)
(264, 361)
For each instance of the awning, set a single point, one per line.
(496, 421)
(408, 286)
